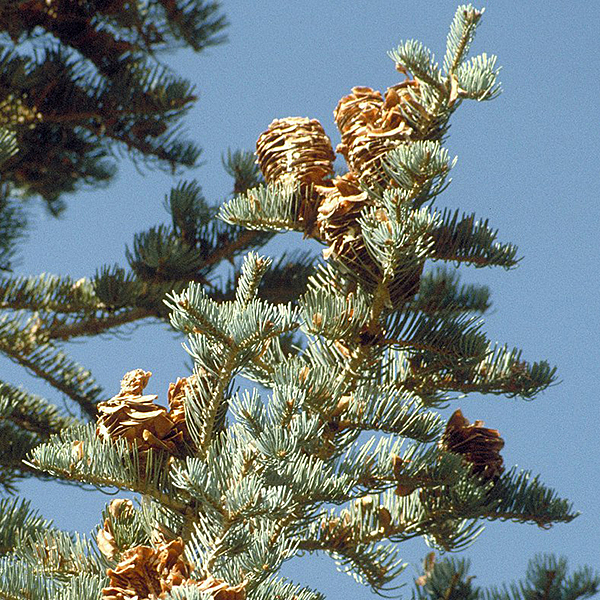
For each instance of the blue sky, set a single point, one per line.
(528, 161)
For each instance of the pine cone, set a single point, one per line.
(478, 445)
(295, 150)
(137, 419)
(337, 220)
(354, 113)
(145, 572)
(371, 127)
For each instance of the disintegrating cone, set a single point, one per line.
(478, 445)
(337, 224)
(106, 541)
(295, 150)
(137, 419)
(371, 126)
(146, 572)
(337, 532)
(337, 219)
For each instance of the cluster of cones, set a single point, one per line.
(135, 417)
(297, 151)
(145, 572)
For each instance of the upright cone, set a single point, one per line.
(371, 126)
(295, 150)
(479, 446)
(136, 418)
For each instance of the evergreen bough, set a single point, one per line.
(80, 80)
(234, 482)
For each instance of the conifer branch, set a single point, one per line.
(97, 325)
(53, 366)
(383, 345)
(18, 521)
(31, 412)
(78, 455)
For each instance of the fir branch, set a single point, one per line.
(547, 578)
(230, 242)
(446, 579)
(280, 588)
(332, 315)
(413, 56)
(500, 372)
(159, 254)
(60, 554)
(197, 23)
(53, 365)
(17, 522)
(440, 293)
(390, 413)
(252, 272)
(97, 325)
(446, 337)
(45, 292)
(78, 455)
(471, 241)
(31, 412)
(420, 169)
(17, 583)
(478, 78)
(376, 565)
(84, 585)
(267, 207)
(400, 243)
(241, 165)
(517, 496)
(193, 312)
(460, 37)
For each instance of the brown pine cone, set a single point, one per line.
(145, 572)
(221, 590)
(337, 219)
(479, 446)
(137, 419)
(371, 127)
(295, 150)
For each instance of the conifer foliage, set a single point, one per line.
(79, 79)
(338, 446)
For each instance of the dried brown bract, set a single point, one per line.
(221, 590)
(117, 509)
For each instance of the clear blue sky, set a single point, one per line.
(528, 161)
